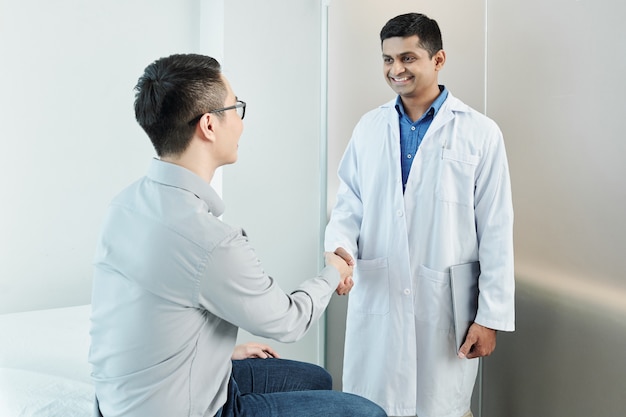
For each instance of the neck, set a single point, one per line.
(195, 160)
(416, 106)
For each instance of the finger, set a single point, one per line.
(264, 351)
(271, 352)
(341, 252)
(465, 351)
(474, 354)
(345, 286)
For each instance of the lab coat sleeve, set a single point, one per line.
(494, 225)
(345, 221)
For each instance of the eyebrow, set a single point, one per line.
(400, 54)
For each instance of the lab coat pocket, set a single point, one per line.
(370, 294)
(457, 177)
(433, 298)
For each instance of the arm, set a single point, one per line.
(494, 223)
(494, 227)
(343, 229)
(236, 288)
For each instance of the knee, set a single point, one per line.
(357, 406)
(302, 376)
(370, 409)
(320, 379)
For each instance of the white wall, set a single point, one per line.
(555, 83)
(272, 58)
(557, 90)
(69, 136)
(71, 142)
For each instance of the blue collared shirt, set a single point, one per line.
(412, 133)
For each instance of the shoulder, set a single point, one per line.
(470, 117)
(379, 113)
(375, 122)
(466, 131)
(170, 212)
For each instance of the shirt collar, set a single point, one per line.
(434, 107)
(176, 176)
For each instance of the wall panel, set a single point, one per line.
(555, 84)
(69, 134)
(274, 189)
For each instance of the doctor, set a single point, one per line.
(424, 185)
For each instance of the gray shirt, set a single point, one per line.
(172, 285)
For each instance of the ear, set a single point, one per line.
(440, 59)
(205, 128)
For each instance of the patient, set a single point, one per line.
(173, 283)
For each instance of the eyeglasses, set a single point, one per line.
(240, 107)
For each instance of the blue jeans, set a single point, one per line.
(283, 388)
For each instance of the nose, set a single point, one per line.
(397, 67)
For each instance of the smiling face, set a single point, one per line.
(408, 68)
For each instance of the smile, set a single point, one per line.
(399, 79)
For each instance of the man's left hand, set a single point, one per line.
(480, 341)
(253, 350)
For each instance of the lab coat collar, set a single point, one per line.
(446, 113)
(451, 104)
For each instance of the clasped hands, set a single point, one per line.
(344, 263)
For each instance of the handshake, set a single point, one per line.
(344, 263)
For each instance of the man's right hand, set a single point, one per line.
(341, 252)
(345, 272)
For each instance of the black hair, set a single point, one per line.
(409, 24)
(170, 95)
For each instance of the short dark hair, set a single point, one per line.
(409, 24)
(171, 92)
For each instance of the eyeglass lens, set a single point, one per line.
(241, 109)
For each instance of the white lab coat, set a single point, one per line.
(399, 349)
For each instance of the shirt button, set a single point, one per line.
(399, 213)
(412, 127)
(407, 291)
(409, 156)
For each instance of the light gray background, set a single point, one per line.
(68, 132)
(550, 73)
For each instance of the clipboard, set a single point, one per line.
(464, 286)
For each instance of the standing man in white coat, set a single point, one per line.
(424, 185)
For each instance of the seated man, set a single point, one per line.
(173, 283)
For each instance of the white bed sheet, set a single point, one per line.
(33, 394)
(43, 363)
